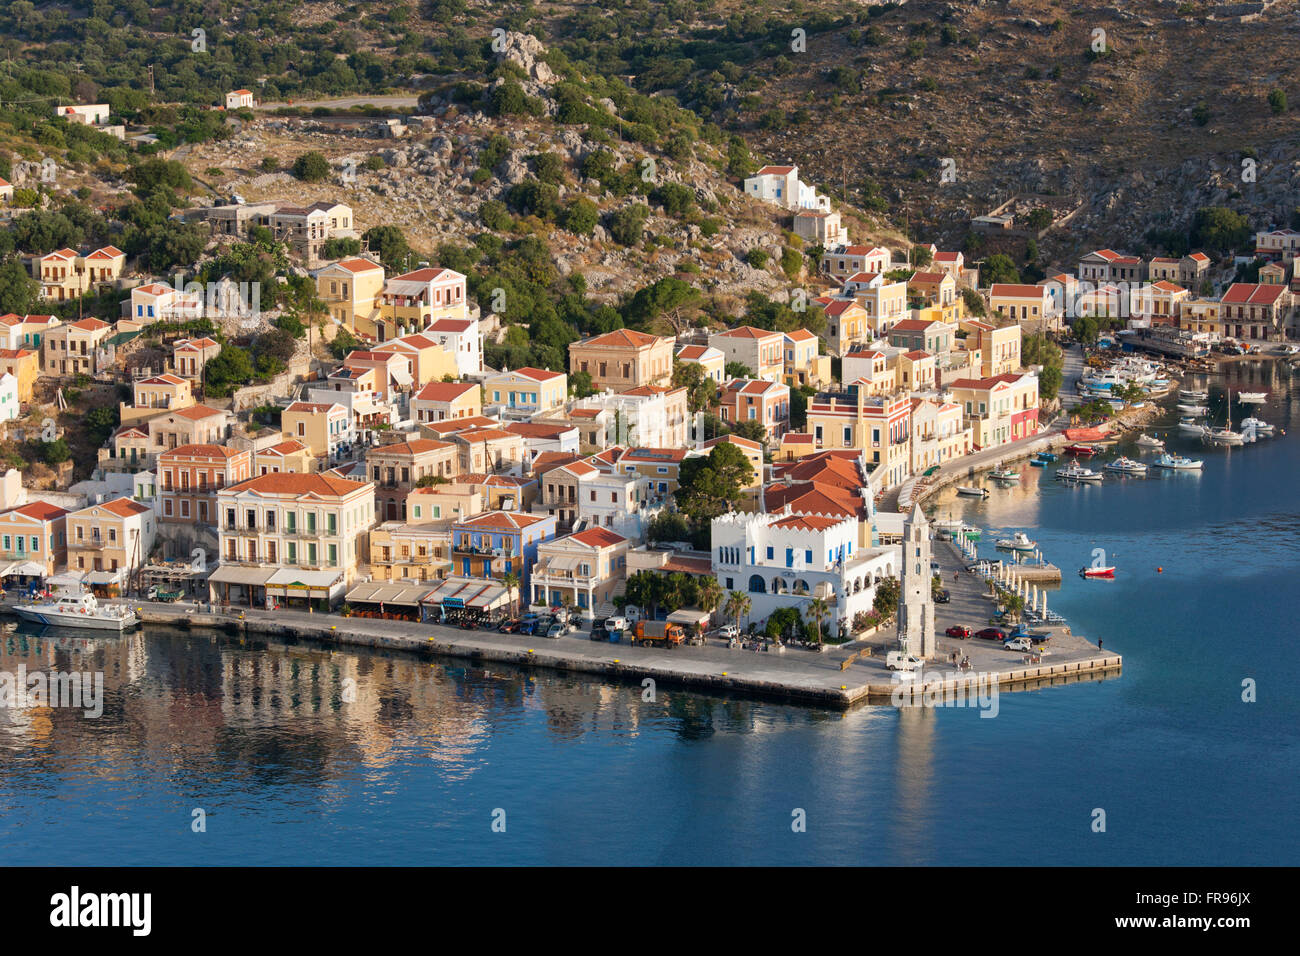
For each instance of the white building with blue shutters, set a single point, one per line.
(788, 560)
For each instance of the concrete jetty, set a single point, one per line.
(795, 675)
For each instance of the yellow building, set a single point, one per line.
(443, 401)
(155, 395)
(623, 359)
(527, 389)
(291, 538)
(290, 456)
(878, 425)
(110, 538)
(34, 533)
(999, 409)
(70, 349)
(999, 348)
(350, 289)
(24, 366)
(322, 428)
(410, 552)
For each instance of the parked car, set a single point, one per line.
(1017, 644)
(934, 566)
(942, 596)
(599, 633)
(959, 631)
(616, 624)
(557, 630)
(527, 627)
(509, 626)
(992, 634)
(728, 632)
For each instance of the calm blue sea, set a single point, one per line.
(295, 755)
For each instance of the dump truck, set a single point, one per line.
(658, 633)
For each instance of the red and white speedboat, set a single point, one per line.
(1083, 451)
(1106, 572)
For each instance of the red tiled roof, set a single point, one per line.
(598, 537)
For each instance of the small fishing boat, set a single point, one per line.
(970, 492)
(1194, 429)
(1146, 441)
(1038, 462)
(1127, 466)
(1082, 451)
(1017, 542)
(1077, 473)
(1047, 456)
(1004, 474)
(1258, 426)
(1252, 398)
(1103, 572)
(1193, 409)
(1176, 462)
(1193, 395)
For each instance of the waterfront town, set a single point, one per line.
(741, 483)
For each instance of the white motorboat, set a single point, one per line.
(1176, 462)
(970, 492)
(71, 605)
(1127, 466)
(1224, 436)
(1252, 398)
(1193, 409)
(1146, 441)
(1261, 428)
(1189, 427)
(1017, 542)
(1193, 395)
(1077, 473)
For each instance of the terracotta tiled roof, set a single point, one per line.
(324, 484)
(619, 338)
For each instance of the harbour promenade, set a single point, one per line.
(794, 675)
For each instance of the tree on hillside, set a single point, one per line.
(311, 167)
(712, 486)
(670, 298)
(1219, 229)
(700, 389)
(18, 290)
(998, 267)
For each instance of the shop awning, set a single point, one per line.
(105, 577)
(27, 569)
(293, 580)
(401, 376)
(386, 592)
(234, 574)
(477, 593)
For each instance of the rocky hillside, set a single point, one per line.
(447, 179)
(1140, 112)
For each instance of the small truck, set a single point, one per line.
(658, 634)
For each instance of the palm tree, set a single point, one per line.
(511, 580)
(818, 610)
(710, 594)
(738, 606)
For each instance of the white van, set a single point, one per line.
(616, 624)
(902, 661)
